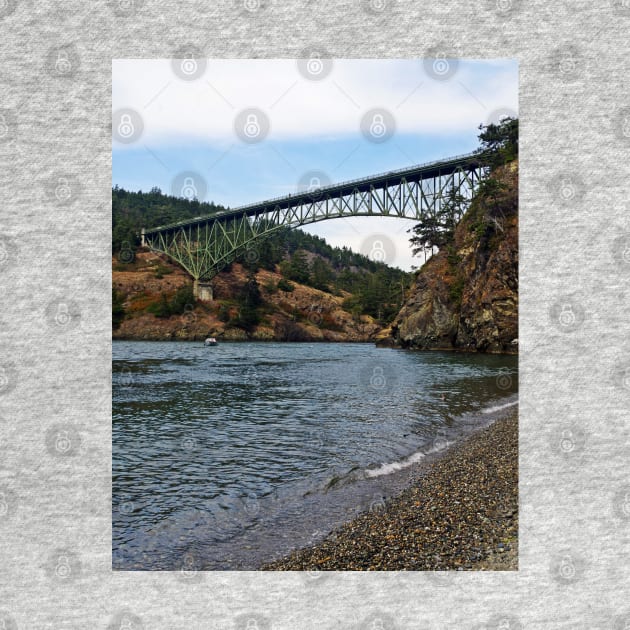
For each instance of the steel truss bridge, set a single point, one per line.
(204, 245)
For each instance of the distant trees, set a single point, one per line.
(182, 301)
(131, 211)
(321, 274)
(296, 268)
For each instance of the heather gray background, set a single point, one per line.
(55, 497)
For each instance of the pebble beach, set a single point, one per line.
(459, 513)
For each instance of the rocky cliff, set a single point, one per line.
(466, 296)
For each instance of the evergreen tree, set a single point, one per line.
(118, 309)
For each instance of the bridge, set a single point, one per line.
(204, 245)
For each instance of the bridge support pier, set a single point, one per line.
(205, 291)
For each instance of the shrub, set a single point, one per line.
(285, 285)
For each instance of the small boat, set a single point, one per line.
(210, 341)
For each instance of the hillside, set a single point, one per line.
(466, 296)
(301, 314)
(291, 286)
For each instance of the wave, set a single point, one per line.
(410, 460)
(500, 407)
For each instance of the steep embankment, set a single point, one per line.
(302, 314)
(466, 296)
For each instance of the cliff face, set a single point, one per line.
(466, 296)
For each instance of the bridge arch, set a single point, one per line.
(204, 245)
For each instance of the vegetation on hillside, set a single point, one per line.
(499, 144)
(375, 289)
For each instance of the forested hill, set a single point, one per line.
(361, 286)
(132, 211)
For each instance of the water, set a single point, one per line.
(228, 456)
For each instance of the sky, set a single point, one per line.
(241, 131)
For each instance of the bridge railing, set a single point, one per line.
(321, 190)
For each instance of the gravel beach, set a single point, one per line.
(459, 513)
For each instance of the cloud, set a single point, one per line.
(175, 111)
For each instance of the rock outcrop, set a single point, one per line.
(466, 296)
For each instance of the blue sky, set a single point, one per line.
(188, 128)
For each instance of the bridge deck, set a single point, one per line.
(391, 178)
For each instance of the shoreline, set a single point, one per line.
(373, 342)
(460, 512)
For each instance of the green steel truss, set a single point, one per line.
(203, 246)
